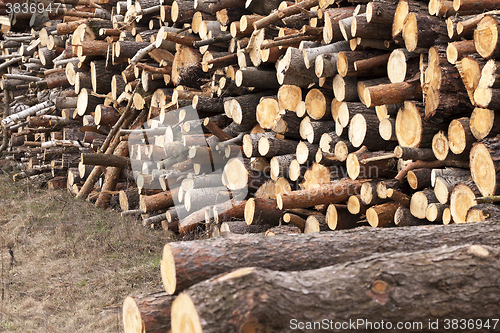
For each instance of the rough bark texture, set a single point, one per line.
(187, 263)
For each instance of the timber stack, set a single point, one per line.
(256, 117)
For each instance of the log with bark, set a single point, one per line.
(291, 252)
(294, 290)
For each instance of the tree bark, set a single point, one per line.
(335, 192)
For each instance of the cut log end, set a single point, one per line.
(357, 130)
(462, 198)
(447, 219)
(167, 270)
(475, 215)
(452, 53)
(483, 170)
(418, 204)
(316, 104)
(409, 126)
(410, 32)
(235, 174)
(402, 10)
(481, 122)
(249, 211)
(396, 66)
(440, 146)
(457, 137)
(184, 315)
(353, 168)
(441, 191)
(486, 37)
(132, 321)
(385, 129)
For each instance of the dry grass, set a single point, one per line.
(72, 264)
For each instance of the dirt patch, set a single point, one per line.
(67, 266)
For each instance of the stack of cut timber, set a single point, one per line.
(259, 117)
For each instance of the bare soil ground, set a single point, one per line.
(67, 266)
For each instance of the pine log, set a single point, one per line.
(87, 102)
(402, 65)
(332, 16)
(159, 201)
(316, 223)
(484, 123)
(111, 178)
(444, 180)
(419, 202)
(356, 206)
(294, 220)
(361, 133)
(338, 217)
(318, 103)
(313, 130)
(238, 175)
(410, 153)
(311, 54)
(362, 63)
(191, 309)
(368, 193)
(421, 30)
(335, 192)
(148, 313)
(418, 179)
(382, 215)
(441, 80)
(457, 50)
(242, 109)
(241, 228)
(254, 77)
(399, 197)
(404, 218)
(230, 210)
(293, 251)
(434, 212)
(280, 164)
(392, 93)
(365, 164)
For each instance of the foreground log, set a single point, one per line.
(186, 263)
(373, 286)
(147, 313)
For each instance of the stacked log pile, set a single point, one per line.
(241, 117)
